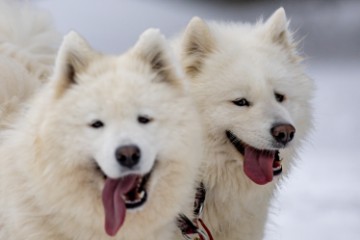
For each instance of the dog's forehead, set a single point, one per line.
(116, 72)
(120, 89)
(124, 86)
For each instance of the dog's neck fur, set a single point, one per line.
(227, 185)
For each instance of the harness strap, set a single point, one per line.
(196, 229)
(210, 237)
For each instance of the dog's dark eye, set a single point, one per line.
(97, 124)
(144, 119)
(242, 102)
(279, 97)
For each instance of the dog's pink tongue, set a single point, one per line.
(114, 205)
(258, 165)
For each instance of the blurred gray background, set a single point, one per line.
(321, 199)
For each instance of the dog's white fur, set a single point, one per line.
(228, 61)
(49, 185)
(28, 45)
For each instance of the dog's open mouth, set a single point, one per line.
(259, 165)
(119, 195)
(137, 196)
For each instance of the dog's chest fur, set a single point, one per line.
(234, 206)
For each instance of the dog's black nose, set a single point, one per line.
(283, 133)
(128, 156)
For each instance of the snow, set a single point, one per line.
(321, 198)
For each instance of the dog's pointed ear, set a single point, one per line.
(277, 31)
(152, 48)
(197, 43)
(73, 58)
(277, 28)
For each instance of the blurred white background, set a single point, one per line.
(321, 199)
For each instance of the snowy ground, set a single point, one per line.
(321, 200)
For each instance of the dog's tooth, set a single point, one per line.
(124, 197)
(142, 194)
(277, 168)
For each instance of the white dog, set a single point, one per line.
(28, 45)
(109, 141)
(255, 99)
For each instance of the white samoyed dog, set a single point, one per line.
(109, 148)
(255, 101)
(28, 46)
